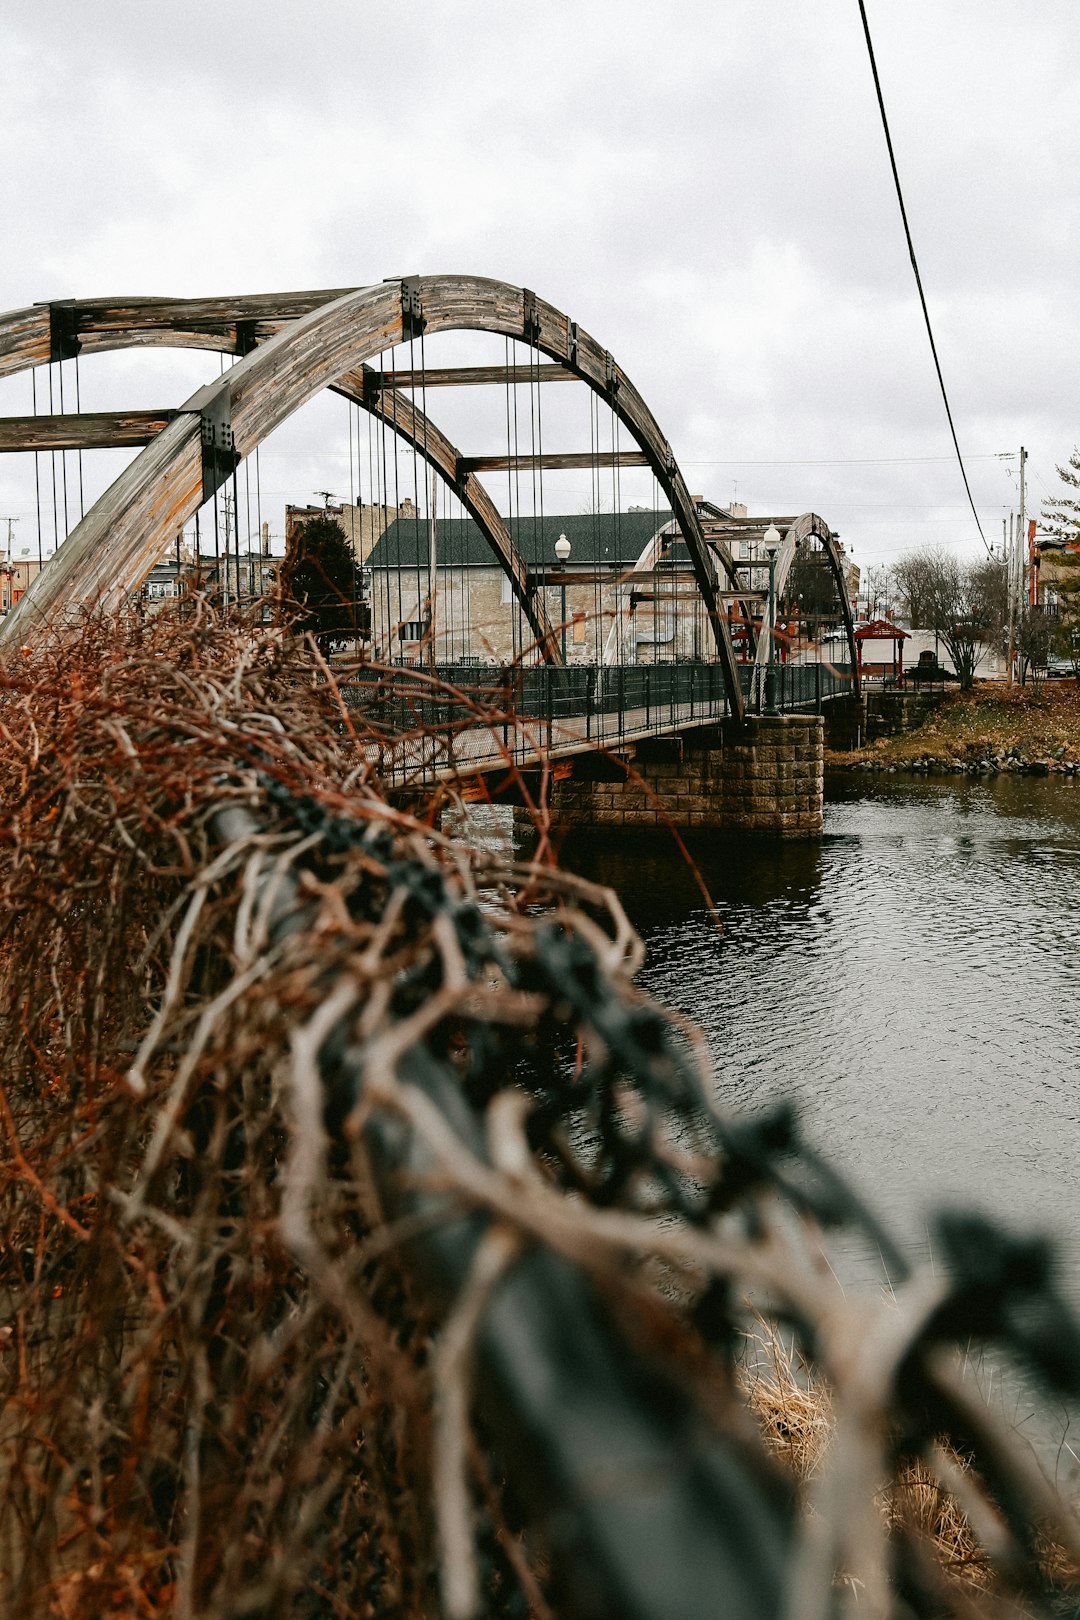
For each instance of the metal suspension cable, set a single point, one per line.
(63, 454)
(616, 537)
(430, 501)
(535, 363)
(236, 538)
(37, 474)
(217, 549)
(380, 481)
(656, 573)
(78, 407)
(915, 268)
(539, 552)
(247, 524)
(397, 513)
(224, 599)
(357, 538)
(509, 472)
(259, 522)
(421, 593)
(373, 491)
(594, 481)
(52, 458)
(517, 628)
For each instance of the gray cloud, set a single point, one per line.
(704, 187)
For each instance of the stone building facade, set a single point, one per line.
(595, 600)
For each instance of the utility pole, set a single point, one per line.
(1009, 544)
(6, 602)
(1021, 536)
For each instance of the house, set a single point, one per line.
(15, 577)
(594, 601)
(247, 576)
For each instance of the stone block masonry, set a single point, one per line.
(764, 776)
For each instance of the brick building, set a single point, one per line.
(15, 577)
(362, 524)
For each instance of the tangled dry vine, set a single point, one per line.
(371, 1244)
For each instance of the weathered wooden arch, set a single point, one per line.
(295, 345)
(646, 561)
(797, 533)
(421, 433)
(30, 337)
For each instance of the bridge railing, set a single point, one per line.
(798, 687)
(453, 715)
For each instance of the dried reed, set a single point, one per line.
(225, 1387)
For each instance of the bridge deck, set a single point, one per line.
(449, 722)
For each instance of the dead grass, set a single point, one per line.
(791, 1402)
(993, 718)
(793, 1405)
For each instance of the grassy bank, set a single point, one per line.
(994, 727)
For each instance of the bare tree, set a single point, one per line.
(913, 574)
(964, 602)
(1034, 641)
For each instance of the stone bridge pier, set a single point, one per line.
(765, 775)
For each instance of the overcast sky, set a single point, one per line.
(704, 186)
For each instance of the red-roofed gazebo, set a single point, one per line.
(871, 641)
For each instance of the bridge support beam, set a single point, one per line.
(764, 775)
(846, 722)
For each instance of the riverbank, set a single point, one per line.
(993, 728)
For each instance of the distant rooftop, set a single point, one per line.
(613, 538)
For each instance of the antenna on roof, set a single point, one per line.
(327, 495)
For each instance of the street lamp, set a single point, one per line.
(772, 541)
(562, 552)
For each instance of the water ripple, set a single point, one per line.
(912, 978)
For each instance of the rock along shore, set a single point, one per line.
(993, 729)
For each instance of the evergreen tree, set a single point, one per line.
(1066, 588)
(1061, 519)
(320, 577)
(1061, 513)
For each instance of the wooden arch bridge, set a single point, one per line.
(291, 346)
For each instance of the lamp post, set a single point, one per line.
(772, 541)
(562, 552)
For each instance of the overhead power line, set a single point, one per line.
(915, 268)
(831, 461)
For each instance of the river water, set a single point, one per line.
(911, 979)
